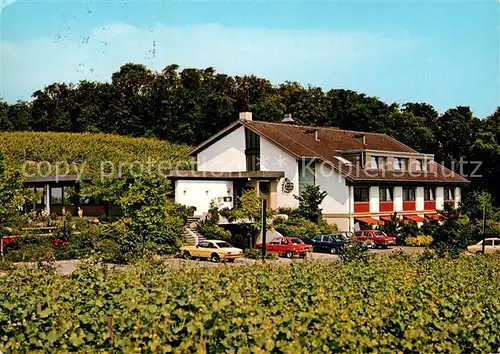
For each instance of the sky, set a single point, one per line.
(445, 53)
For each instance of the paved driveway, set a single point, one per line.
(69, 266)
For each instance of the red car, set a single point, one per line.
(288, 247)
(375, 237)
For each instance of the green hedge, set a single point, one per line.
(387, 304)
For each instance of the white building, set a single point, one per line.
(367, 176)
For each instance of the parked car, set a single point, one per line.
(333, 243)
(215, 250)
(491, 245)
(288, 247)
(374, 238)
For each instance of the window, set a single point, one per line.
(409, 194)
(449, 194)
(252, 151)
(203, 244)
(488, 242)
(400, 163)
(276, 241)
(284, 241)
(223, 244)
(317, 238)
(425, 164)
(378, 162)
(385, 194)
(429, 194)
(264, 187)
(306, 173)
(327, 238)
(39, 195)
(418, 165)
(361, 194)
(56, 195)
(296, 241)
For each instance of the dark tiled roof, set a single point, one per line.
(329, 138)
(327, 143)
(302, 141)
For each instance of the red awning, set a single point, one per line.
(415, 218)
(368, 220)
(433, 216)
(385, 217)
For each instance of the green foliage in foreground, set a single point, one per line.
(389, 304)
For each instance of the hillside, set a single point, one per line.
(39, 152)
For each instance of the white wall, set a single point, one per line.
(439, 198)
(272, 158)
(419, 198)
(227, 154)
(199, 193)
(374, 199)
(398, 198)
(333, 183)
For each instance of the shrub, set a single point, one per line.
(356, 253)
(303, 228)
(213, 231)
(29, 249)
(429, 227)
(6, 265)
(256, 253)
(422, 241)
(409, 228)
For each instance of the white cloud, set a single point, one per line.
(308, 56)
(5, 3)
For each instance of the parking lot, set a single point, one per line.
(312, 256)
(69, 266)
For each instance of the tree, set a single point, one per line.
(310, 200)
(248, 212)
(453, 234)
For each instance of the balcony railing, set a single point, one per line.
(409, 205)
(386, 206)
(361, 207)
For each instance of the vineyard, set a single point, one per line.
(84, 151)
(388, 304)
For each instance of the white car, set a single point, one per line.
(491, 245)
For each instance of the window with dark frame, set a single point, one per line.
(252, 150)
(307, 173)
(385, 194)
(429, 194)
(56, 196)
(449, 194)
(361, 194)
(408, 194)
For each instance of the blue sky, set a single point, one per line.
(445, 53)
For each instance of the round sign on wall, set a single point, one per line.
(287, 185)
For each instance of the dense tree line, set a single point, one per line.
(190, 105)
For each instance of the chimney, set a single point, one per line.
(245, 115)
(288, 119)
